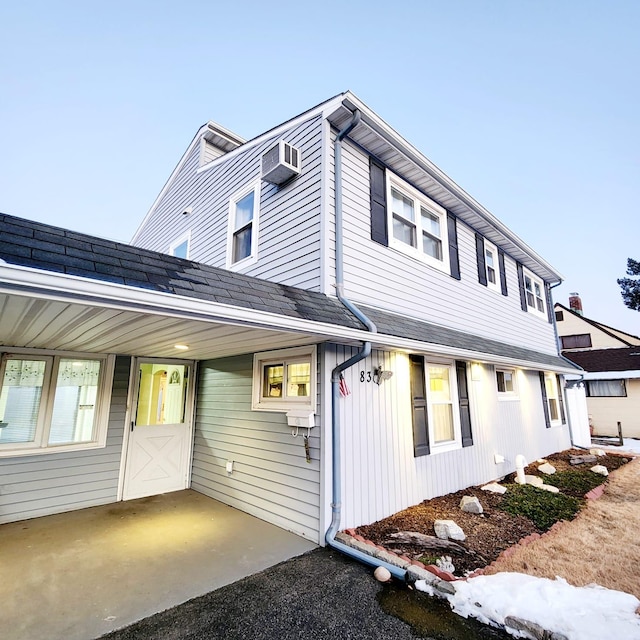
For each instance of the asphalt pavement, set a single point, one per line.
(321, 595)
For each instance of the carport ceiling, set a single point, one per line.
(38, 323)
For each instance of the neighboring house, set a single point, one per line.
(611, 360)
(129, 372)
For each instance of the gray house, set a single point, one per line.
(314, 318)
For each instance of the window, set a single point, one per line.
(284, 379)
(417, 225)
(559, 316)
(53, 402)
(534, 293)
(578, 341)
(552, 399)
(242, 239)
(491, 262)
(606, 388)
(440, 406)
(505, 381)
(180, 248)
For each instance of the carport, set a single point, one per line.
(81, 574)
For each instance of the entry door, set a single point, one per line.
(158, 448)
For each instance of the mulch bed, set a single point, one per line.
(487, 534)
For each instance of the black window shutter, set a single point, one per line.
(378, 192)
(545, 402)
(561, 400)
(503, 273)
(419, 407)
(482, 264)
(463, 401)
(547, 291)
(523, 293)
(454, 260)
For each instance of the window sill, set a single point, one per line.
(39, 451)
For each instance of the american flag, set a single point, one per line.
(344, 389)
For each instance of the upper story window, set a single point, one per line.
(284, 379)
(534, 293)
(242, 238)
(578, 341)
(417, 225)
(491, 265)
(52, 403)
(180, 248)
(559, 316)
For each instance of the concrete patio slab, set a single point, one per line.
(81, 574)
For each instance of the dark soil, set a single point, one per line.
(487, 534)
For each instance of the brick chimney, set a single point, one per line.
(575, 304)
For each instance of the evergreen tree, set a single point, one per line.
(631, 286)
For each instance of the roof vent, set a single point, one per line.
(280, 163)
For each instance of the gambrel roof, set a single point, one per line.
(116, 297)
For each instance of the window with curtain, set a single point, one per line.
(48, 402)
(606, 388)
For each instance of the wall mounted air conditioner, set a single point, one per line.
(280, 163)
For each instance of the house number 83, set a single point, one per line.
(365, 376)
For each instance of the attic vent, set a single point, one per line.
(280, 163)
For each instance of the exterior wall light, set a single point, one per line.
(379, 374)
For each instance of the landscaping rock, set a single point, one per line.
(494, 487)
(536, 481)
(597, 452)
(600, 469)
(547, 468)
(471, 504)
(549, 487)
(582, 459)
(531, 629)
(448, 530)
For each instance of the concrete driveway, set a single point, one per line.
(78, 575)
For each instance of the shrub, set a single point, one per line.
(543, 508)
(575, 482)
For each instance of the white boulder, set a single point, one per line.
(448, 530)
(547, 469)
(600, 469)
(494, 487)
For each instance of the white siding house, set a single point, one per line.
(232, 312)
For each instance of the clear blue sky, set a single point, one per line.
(531, 106)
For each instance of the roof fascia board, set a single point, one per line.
(54, 286)
(379, 126)
(324, 109)
(611, 375)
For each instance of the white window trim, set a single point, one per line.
(432, 207)
(185, 237)
(252, 258)
(103, 402)
(497, 285)
(507, 395)
(556, 386)
(534, 279)
(283, 404)
(456, 443)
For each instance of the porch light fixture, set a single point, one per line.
(379, 374)
(181, 347)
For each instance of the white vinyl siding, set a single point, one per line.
(381, 476)
(34, 486)
(271, 478)
(383, 277)
(289, 235)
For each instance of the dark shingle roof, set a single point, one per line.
(41, 246)
(623, 359)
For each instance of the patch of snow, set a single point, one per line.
(580, 613)
(630, 444)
